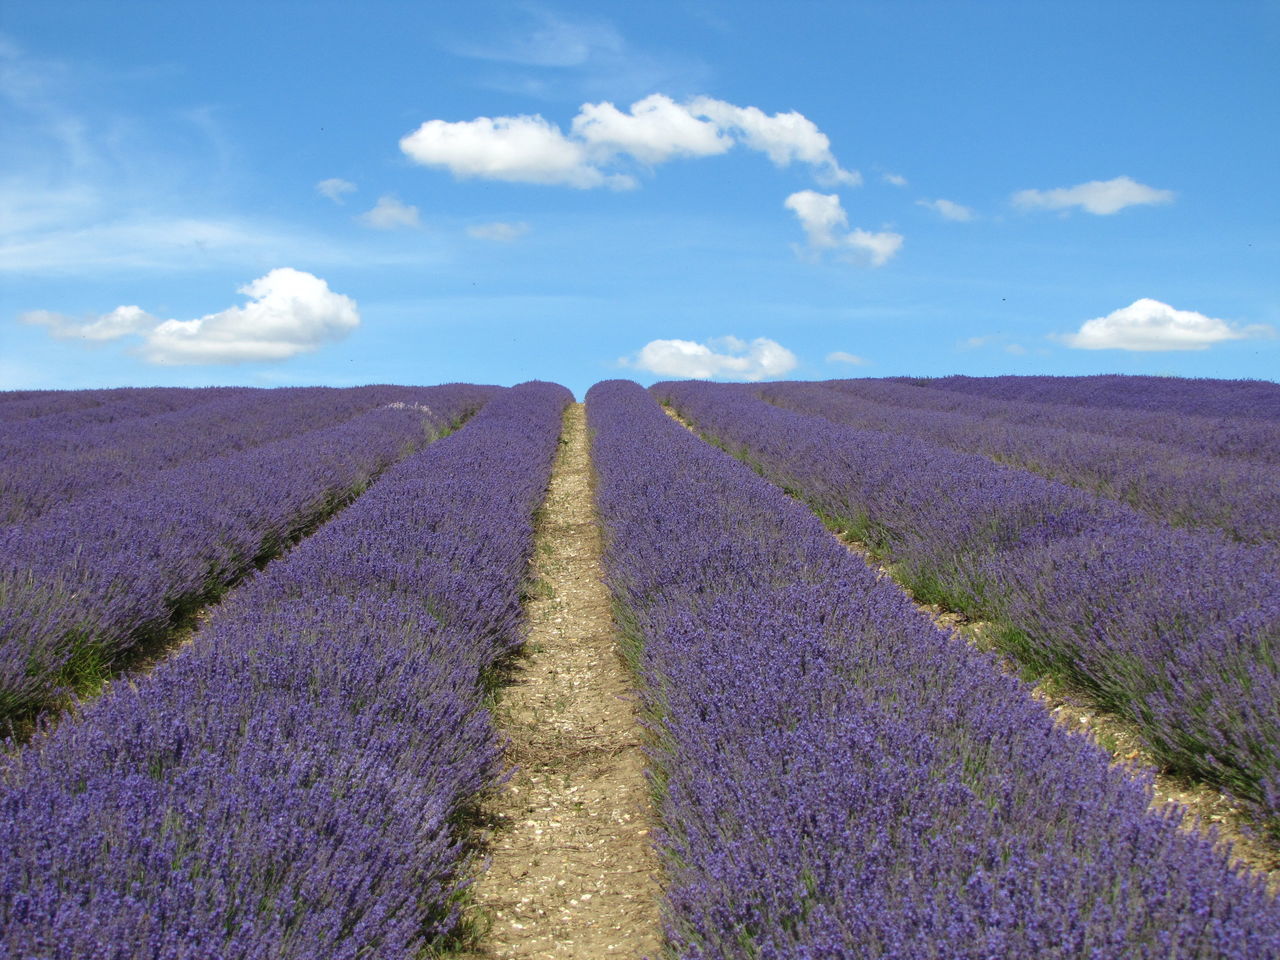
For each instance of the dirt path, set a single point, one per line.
(1210, 809)
(571, 872)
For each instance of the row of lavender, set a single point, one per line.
(1247, 399)
(64, 407)
(291, 784)
(1177, 629)
(49, 461)
(1236, 437)
(1171, 485)
(841, 779)
(84, 584)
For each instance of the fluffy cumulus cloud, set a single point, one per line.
(820, 215)
(523, 149)
(947, 209)
(783, 137)
(289, 312)
(499, 231)
(727, 358)
(335, 188)
(1150, 325)
(655, 130)
(1101, 197)
(824, 221)
(531, 149)
(389, 213)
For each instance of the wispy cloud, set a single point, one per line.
(1101, 197)
(823, 220)
(550, 42)
(88, 192)
(389, 214)
(290, 312)
(111, 244)
(551, 57)
(852, 359)
(727, 358)
(335, 188)
(1149, 325)
(499, 231)
(947, 209)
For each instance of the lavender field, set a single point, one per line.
(254, 643)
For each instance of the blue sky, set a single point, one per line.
(294, 193)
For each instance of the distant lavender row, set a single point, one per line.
(1177, 629)
(1249, 399)
(66, 407)
(85, 582)
(841, 779)
(1180, 487)
(42, 466)
(9, 395)
(1230, 437)
(291, 785)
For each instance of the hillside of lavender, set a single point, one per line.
(250, 640)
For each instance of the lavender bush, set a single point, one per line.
(43, 466)
(1246, 399)
(1232, 437)
(294, 783)
(1175, 486)
(838, 778)
(84, 583)
(1177, 629)
(62, 408)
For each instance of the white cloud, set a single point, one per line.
(523, 149)
(1017, 349)
(879, 246)
(727, 357)
(334, 188)
(531, 149)
(501, 232)
(290, 312)
(118, 323)
(1149, 325)
(783, 137)
(947, 209)
(839, 356)
(655, 130)
(821, 214)
(1097, 196)
(389, 213)
(894, 179)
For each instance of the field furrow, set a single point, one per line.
(571, 870)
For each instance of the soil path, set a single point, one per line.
(1211, 811)
(571, 871)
